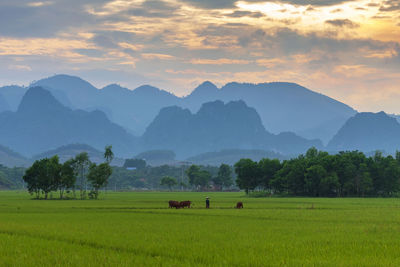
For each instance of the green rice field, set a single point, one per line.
(138, 229)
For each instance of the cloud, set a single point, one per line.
(104, 41)
(42, 19)
(390, 5)
(178, 43)
(342, 23)
(157, 56)
(227, 4)
(20, 67)
(239, 14)
(39, 4)
(221, 61)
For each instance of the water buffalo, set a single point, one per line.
(174, 204)
(239, 205)
(185, 203)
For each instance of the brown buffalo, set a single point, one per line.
(185, 203)
(174, 204)
(239, 205)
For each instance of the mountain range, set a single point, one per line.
(283, 107)
(41, 123)
(217, 126)
(279, 118)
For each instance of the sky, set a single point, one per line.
(348, 50)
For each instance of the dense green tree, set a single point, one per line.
(192, 172)
(348, 173)
(224, 177)
(268, 169)
(202, 179)
(391, 177)
(50, 175)
(313, 177)
(31, 178)
(67, 177)
(248, 174)
(296, 182)
(43, 176)
(197, 177)
(169, 182)
(98, 177)
(329, 185)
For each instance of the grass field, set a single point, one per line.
(138, 229)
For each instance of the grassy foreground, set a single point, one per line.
(138, 229)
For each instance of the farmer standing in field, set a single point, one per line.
(207, 203)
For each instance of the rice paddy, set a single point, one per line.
(138, 229)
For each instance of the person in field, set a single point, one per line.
(207, 202)
(239, 205)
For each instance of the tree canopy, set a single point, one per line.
(317, 173)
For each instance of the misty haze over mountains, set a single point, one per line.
(284, 118)
(282, 106)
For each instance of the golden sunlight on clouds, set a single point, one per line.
(40, 46)
(39, 4)
(342, 50)
(20, 67)
(360, 20)
(157, 56)
(221, 61)
(114, 7)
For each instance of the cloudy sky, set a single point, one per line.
(349, 50)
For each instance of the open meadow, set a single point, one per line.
(138, 229)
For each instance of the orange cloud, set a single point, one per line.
(221, 61)
(157, 56)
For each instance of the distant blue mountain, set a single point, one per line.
(42, 123)
(283, 107)
(13, 95)
(217, 126)
(3, 104)
(132, 109)
(368, 132)
(11, 159)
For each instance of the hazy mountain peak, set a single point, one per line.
(63, 81)
(216, 126)
(38, 99)
(147, 89)
(206, 87)
(114, 87)
(212, 106)
(368, 131)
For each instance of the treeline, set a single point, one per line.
(147, 177)
(79, 173)
(136, 174)
(319, 174)
(201, 179)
